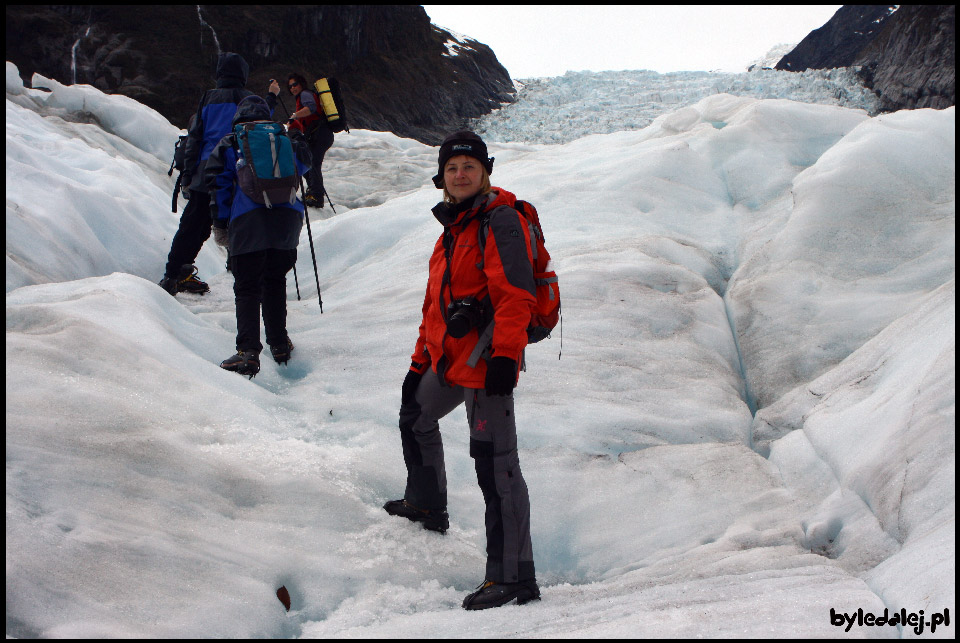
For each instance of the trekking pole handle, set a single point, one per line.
(280, 98)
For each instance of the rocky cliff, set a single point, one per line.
(840, 40)
(911, 62)
(398, 72)
(904, 53)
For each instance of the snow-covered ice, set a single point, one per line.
(564, 108)
(751, 422)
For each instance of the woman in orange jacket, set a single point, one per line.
(480, 293)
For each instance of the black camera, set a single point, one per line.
(463, 315)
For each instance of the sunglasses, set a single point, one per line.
(292, 85)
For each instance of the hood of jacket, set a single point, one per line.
(449, 215)
(252, 108)
(232, 70)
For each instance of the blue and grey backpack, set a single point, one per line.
(267, 165)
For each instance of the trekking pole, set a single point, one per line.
(312, 252)
(280, 98)
(329, 200)
(295, 280)
(314, 255)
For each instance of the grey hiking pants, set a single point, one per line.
(493, 446)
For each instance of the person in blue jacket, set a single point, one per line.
(211, 122)
(262, 242)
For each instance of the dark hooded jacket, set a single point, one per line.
(252, 226)
(213, 118)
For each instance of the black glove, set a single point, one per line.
(501, 376)
(408, 394)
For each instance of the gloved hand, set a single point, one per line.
(222, 237)
(185, 181)
(409, 391)
(501, 376)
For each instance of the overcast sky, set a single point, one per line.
(532, 40)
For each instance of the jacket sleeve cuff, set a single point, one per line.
(419, 367)
(514, 355)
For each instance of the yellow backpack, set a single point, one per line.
(331, 101)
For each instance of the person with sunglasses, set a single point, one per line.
(310, 119)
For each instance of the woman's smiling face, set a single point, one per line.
(462, 176)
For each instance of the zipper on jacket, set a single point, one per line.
(449, 244)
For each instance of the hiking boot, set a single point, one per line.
(281, 352)
(313, 201)
(244, 362)
(170, 285)
(490, 594)
(434, 520)
(188, 281)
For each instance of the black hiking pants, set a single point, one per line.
(493, 446)
(194, 230)
(320, 140)
(260, 282)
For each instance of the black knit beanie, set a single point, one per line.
(459, 143)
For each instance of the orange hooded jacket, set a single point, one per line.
(501, 277)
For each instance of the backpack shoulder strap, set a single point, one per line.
(524, 209)
(483, 231)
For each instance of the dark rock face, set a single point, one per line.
(906, 56)
(394, 67)
(910, 64)
(837, 43)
